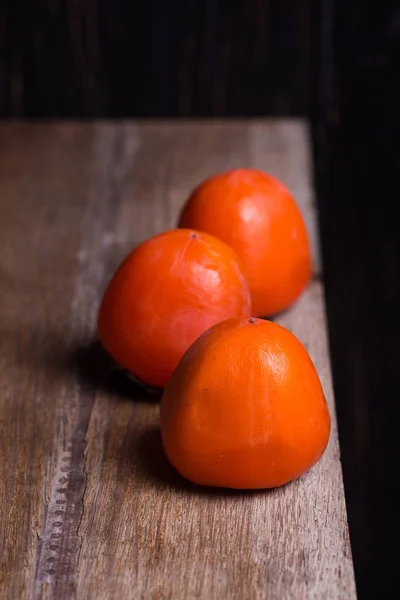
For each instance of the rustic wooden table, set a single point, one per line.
(89, 506)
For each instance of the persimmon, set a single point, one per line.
(245, 408)
(257, 216)
(168, 291)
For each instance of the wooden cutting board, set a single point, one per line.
(89, 506)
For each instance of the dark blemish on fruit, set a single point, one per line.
(251, 320)
(193, 236)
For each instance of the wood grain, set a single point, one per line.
(89, 506)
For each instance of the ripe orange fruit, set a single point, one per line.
(167, 292)
(257, 216)
(244, 408)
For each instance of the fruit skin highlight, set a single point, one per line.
(245, 408)
(257, 216)
(167, 292)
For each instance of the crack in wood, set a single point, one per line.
(60, 543)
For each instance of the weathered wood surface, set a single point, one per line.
(89, 506)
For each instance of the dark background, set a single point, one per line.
(116, 58)
(335, 62)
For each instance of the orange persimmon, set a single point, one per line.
(257, 216)
(166, 293)
(245, 408)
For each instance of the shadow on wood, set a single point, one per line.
(95, 368)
